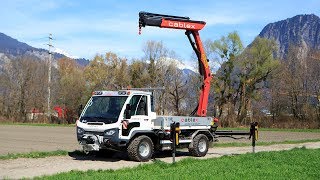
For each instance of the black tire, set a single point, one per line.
(140, 149)
(200, 145)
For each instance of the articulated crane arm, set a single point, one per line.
(192, 28)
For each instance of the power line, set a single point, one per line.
(49, 77)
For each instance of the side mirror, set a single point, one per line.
(80, 110)
(127, 111)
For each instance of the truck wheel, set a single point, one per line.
(140, 149)
(200, 145)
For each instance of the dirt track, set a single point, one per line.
(15, 139)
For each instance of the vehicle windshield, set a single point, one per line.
(103, 109)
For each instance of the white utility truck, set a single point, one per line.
(125, 120)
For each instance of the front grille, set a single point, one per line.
(95, 123)
(94, 133)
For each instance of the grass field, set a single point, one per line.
(33, 155)
(37, 154)
(294, 164)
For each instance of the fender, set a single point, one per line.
(145, 132)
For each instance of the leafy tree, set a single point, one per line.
(72, 87)
(96, 74)
(118, 70)
(256, 65)
(225, 51)
(139, 74)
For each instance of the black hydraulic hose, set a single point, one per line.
(229, 136)
(194, 111)
(196, 50)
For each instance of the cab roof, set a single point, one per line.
(119, 93)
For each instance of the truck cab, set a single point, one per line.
(104, 121)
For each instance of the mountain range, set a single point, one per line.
(302, 31)
(11, 48)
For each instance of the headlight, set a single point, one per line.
(110, 132)
(80, 130)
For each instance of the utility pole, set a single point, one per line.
(49, 78)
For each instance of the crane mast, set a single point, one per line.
(192, 29)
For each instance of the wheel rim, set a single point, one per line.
(202, 145)
(144, 149)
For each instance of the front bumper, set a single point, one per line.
(94, 141)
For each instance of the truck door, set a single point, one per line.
(139, 114)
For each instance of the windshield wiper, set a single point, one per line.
(104, 119)
(94, 117)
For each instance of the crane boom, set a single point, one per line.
(192, 27)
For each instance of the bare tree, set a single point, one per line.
(22, 87)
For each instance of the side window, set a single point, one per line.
(139, 105)
(134, 103)
(142, 106)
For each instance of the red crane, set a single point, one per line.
(192, 27)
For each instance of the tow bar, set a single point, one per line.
(253, 134)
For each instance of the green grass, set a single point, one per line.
(258, 143)
(294, 164)
(33, 154)
(37, 124)
(37, 154)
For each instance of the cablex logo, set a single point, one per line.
(181, 25)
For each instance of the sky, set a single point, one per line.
(85, 28)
